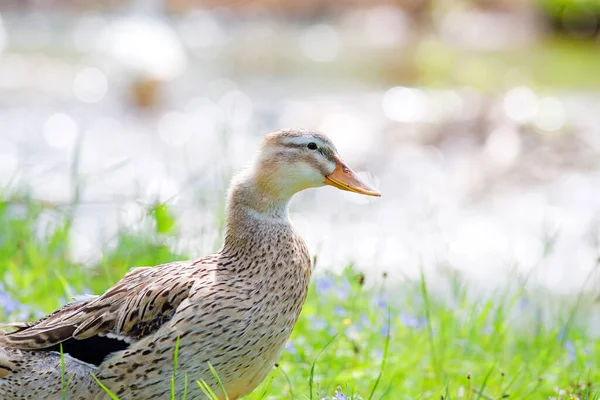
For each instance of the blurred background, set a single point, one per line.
(478, 120)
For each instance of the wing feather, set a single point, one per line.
(136, 306)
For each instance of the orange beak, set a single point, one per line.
(343, 178)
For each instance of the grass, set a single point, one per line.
(357, 337)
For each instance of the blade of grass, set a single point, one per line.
(267, 387)
(175, 362)
(207, 390)
(287, 378)
(482, 388)
(446, 395)
(64, 283)
(185, 387)
(62, 373)
(214, 372)
(110, 394)
(425, 294)
(386, 347)
(312, 368)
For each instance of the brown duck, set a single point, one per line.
(234, 309)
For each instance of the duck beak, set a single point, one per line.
(343, 178)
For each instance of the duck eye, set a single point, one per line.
(312, 146)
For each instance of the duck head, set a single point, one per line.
(296, 159)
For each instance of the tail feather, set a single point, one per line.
(14, 326)
(30, 374)
(7, 367)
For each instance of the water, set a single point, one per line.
(491, 185)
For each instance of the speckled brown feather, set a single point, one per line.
(235, 309)
(125, 310)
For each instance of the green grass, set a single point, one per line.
(362, 337)
(555, 63)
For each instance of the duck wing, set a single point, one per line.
(91, 328)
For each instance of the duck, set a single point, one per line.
(228, 315)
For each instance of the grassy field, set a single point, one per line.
(357, 337)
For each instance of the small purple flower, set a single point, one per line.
(381, 301)
(569, 346)
(8, 304)
(324, 284)
(385, 331)
(365, 321)
(344, 290)
(561, 334)
(319, 323)
(339, 311)
(412, 322)
(290, 347)
(377, 353)
(353, 331)
(25, 313)
(339, 395)
(488, 329)
(523, 303)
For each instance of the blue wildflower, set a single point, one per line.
(488, 329)
(353, 332)
(25, 313)
(365, 321)
(7, 303)
(62, 300)
(561, 334)
(381, 301)
(319, 323)
(569, 346)
(344, 290)
(412, 322)
(417, 299)
(339, 395)
(290, 347)
(339, 310)
(377, 353)
(385, 331)
(324, 284)
(523, 303)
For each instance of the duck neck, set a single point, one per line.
(253, 212)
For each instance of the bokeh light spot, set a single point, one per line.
(200, 30)
(404, 104)
(9, 162)
(386, 26)
(550, 115)
(520, 104)
(3, 37)
(145, 45)
(60, 131)
(351, 133)
(175, 128)
(503, 146)
(90, 85)
(321, 43)
(237, 106)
